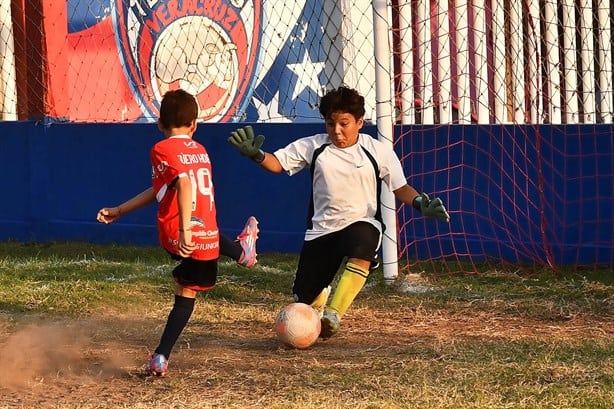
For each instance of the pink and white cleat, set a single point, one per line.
(157, 365)
(247, 239)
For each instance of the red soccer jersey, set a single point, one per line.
(181, 156)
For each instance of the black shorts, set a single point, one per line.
(197, 275)
(321, 258)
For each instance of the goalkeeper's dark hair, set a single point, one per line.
(177, 109)
(342, 99)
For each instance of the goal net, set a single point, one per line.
(527, 161)
(502, 108)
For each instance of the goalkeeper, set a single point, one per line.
(344, 222)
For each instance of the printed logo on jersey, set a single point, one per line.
(208, 48)
(162, 166)
(195, 221)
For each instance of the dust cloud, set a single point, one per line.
(37, 352)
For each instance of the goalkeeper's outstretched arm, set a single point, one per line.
(271, 163)
(421, 202)
(406, 194)
(247, 144)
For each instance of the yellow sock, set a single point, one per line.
(351, 282)
(321, 299)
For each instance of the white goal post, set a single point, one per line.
(385, 130)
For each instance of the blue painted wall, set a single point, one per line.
(57, 176)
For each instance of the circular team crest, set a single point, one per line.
(207, 48)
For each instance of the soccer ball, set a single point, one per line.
(298, 325)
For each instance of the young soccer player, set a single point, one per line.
(187, 224)
(347, 169)
(242, 250)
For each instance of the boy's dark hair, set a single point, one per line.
(342, 99)
(177, 109)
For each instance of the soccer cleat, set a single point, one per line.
(330, 324)
(247, 239)
(157, 365)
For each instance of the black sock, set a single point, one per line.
(230, 248)
(177, 320)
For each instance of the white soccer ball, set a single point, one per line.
(298, 325)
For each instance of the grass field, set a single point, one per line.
(77, 322)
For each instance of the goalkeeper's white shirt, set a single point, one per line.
(344, 182)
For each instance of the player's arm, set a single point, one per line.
(247, 144)
(108, 215)
(421, 202)
(406, 194)
(184, 202)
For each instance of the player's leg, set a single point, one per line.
(190, 276)
(230, 248)
(318, 263)
(175, 323)
(243, 249)
(361, 241)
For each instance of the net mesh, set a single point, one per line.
(536, 76)
(503, 109)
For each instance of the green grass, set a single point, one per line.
(496, 339)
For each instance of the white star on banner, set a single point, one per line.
(269, 112)
(307, 72)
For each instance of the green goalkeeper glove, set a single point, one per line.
(243, 139)
(431, 208)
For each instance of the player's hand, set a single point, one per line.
(108, 215)
(249, 145)
(433, 208)
(186, 246)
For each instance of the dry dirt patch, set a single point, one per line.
(96, 363)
